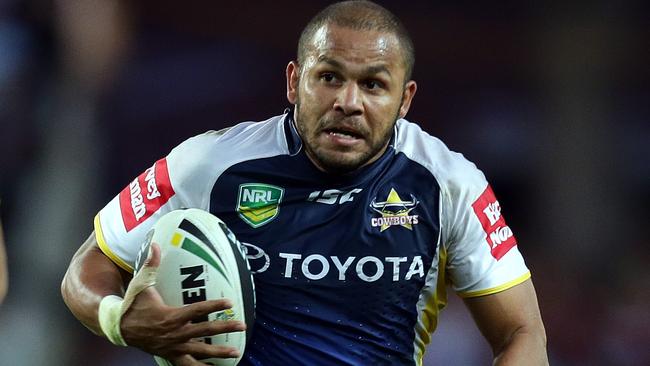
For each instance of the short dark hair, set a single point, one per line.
(360, 15)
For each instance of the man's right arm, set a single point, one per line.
(148, 323)
(90, 277)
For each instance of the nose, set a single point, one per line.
(349, 99)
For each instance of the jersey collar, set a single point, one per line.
(294, 142)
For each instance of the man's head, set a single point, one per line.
(350, 84)
(361, 16)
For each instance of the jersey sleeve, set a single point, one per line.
(173, 182)
(481, 249)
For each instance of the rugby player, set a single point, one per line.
(354, 218)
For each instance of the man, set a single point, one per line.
(365, 219)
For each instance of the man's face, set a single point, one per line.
(348, 94)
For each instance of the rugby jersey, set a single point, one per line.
(348, 269)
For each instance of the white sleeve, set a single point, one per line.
(177, 181)
(481, 250)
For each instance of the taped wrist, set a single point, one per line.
(112, 307)
(110, 315)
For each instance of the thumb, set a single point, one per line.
(153, 256)
(144, 278)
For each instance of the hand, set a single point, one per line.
(168, 332)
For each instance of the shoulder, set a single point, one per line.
(262, 137)
(226, 147)
(196, 163)
(451, 169)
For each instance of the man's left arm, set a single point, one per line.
(511, 322)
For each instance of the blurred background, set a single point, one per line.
(551, 101)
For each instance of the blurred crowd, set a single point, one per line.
(552, 103)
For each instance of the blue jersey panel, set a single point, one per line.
(339, 262)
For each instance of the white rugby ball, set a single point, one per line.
(202, 260)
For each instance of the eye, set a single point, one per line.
(327, 77)
(372, 84)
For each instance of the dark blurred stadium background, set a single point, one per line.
(552, 101)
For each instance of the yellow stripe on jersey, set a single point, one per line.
(494, 290)
(434, 306)
(99, 234)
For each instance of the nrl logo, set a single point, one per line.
(394, 211)
(258, 203)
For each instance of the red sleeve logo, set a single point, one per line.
(498, 235)
(145, 195)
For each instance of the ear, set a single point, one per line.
(293, 76)
(409, 92)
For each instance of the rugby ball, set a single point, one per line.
(202, 260)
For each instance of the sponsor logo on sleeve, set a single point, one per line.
(499, 236)
(145, 194)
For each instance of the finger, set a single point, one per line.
(210, 328)
(153, 258)
(198, 309)
(185, 360)
(199, 350)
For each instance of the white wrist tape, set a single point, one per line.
(110, 315)
(112, 307)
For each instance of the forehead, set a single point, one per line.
(352, 46)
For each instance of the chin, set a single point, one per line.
(341, 164)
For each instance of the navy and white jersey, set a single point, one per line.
(348, 269)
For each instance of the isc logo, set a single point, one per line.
(331, 196)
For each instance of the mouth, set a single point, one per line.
(343, 133)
